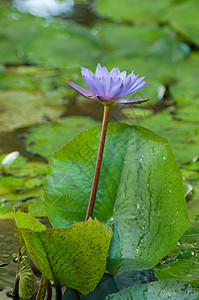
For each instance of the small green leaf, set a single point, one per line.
(164, 289)
(74, 256)
(140, 193)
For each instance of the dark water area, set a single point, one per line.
(8, 265)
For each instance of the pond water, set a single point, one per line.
(80, 13)
(8, 246)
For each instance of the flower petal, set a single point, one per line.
(86, 72)
(99, 88)
(126, 86)
(109, 86)
(81, 90)
(122, 75)
(128, 100)
(105, 71)
(116, 91)
(98, 72)
(104, 82)
(131, 83)
(137, 87)
(115, 72)
(90, 85)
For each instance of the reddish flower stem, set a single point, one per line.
(93, 193)
(40, 286)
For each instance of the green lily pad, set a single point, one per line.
(185, 267)
(41, 139)
(31, 169)
(192, 234)
(53, 44)
(135, 114)
(183, 261)
(15, 161)
(136, 11)
(184, 19)
(193, 166)
(138, 40)
(21, 109)
(37, 78)
(10, 184)
(188, 113)
(20, 167)
(193, 204)
(183, 136)
(191, 178)
(164, 289)
(185, 88)
(16, 190)
(21, 181)
(133, 197)
(74, 256)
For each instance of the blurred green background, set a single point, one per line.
(44, 43)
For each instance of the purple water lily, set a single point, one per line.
(110, 87)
